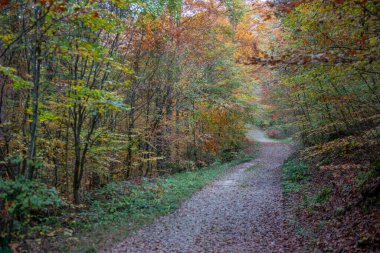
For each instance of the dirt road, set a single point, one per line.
(239, 212)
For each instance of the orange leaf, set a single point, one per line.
(4, 3)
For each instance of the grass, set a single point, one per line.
(319, 198)
(365, 176)
(295, 174)
(295, 179)
(119, 209)
(323, 195)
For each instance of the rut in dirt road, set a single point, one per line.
(240, 212)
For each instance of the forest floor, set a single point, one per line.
(242, 211)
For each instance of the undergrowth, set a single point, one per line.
(341, 197)
(120, 208)
(295, 174)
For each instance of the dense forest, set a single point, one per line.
(120, 109)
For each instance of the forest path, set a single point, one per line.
(240, 212)
(256, 134)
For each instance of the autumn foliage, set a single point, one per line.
(97, 91)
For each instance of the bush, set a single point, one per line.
(228, 155)
(22, 202)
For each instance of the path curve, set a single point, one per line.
(240, 212)
(259, 135)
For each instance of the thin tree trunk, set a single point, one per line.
(35, 95)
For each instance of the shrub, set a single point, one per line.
(22, 202)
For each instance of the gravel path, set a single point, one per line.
(240, 212)
(258, 135)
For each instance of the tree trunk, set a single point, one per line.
(35, 95)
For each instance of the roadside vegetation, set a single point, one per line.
(107, 214)
(332, 207)
(325, 91)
